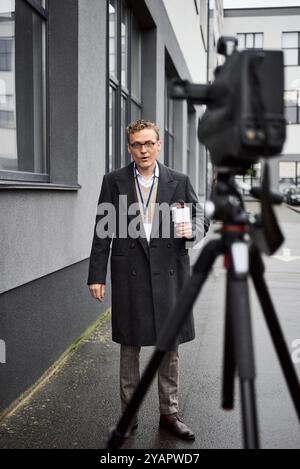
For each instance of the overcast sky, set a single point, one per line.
(259, 3)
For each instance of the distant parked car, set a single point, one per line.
(292, 196)
(284, 190)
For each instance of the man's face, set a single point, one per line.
(144, 155)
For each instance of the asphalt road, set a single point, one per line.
(77, 405)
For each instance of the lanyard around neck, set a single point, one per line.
(145, 207)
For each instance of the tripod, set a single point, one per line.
(242, 259)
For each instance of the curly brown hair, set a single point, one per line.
(141, 124)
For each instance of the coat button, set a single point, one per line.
(132, 245)
(133, 272)
(169, 245)
(172, 272)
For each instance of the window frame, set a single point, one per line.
(291, 48)
(203, 12)
(249, 178)
(295, 177)
(196, 6)
(27, 176)
(256, 33)
(169, 133)
(123, 93)
(9, 67)
(42, 11)
(296, 106)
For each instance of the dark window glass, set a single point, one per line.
(136, 112)
(22, 89)
(291, 115)
(252, 178)
(124, 47)
(188, 142)
(113, 45)
(123, 130)
(298, 173)
(288, 175)
(6, 49)
(124, 83)
(135, 61)
(292, 107)
(112, 129)
(169, 127)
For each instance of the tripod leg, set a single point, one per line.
(244, 357)
(119, 434)
(168, 336)
(228, 360)
(257, 273)
(238, 293)
(185, 302)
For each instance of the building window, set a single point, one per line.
(23, 91)
(289, 175)
(169, 127)
(292, 107)
(210, 172)
(136, 71)
(124, 83)
(203, 21)
(250, 41)
(7, 114)
(291, 48)
(188, 143)
(196, 6)
(252, 177)
(6, 44)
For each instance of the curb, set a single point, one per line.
(292, 208)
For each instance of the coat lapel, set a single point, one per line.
(166, 188)
(126, 185)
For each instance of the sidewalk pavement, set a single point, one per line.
(295, 208)
(77, 405)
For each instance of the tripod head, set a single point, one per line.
(227, 205)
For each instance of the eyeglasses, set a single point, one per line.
(138, 145)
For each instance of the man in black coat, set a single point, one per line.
(149, 262)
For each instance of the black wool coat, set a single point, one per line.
(145, 278)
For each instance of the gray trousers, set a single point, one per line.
(167, 378)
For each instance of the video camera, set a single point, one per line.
(244, 119)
